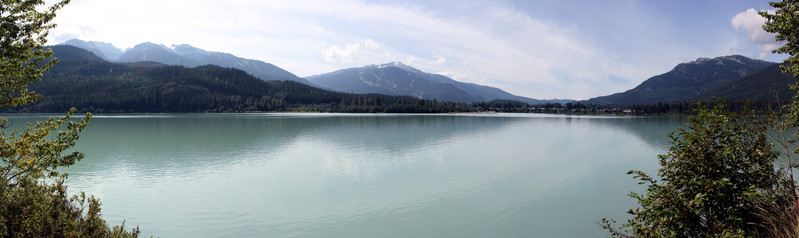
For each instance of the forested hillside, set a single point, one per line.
(89, 83)
(686, 81)
(185, 55)
(400, 79)
(766, 85)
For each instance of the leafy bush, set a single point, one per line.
(716, 181)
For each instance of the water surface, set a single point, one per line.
(366, 175)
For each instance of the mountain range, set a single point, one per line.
(389, 79)
(400, 79)
(83, 80)
(687, 81)
(104, 50)
(185, 55)
(732, 77)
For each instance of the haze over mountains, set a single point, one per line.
(104, 50)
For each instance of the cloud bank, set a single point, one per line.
(751, 23)
(550, 49)
(346, 54)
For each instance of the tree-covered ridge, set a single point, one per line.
(768, 84)
(400, 79)
(686, 81)
(184, 55)
(89, 83)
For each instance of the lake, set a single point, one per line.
(365, 175)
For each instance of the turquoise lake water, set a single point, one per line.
(365, 175)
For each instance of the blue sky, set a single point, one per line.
(541, 49)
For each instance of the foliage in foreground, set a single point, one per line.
(31, 204)
(33, 197)
(784, 23)
(716, 181)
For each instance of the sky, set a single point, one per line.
(543, 49)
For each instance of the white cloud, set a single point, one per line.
(751, 23)
(506, 46)
(371, 44)
(512, 48)
(346, 54)
(72, 32)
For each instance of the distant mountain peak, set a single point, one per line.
(152, 45)
(393, 63)
(400, 65)
(104, 50)
(186, 49)
(740, 59)
(183, 46)
(700, 60)
(389, 64)
(396, 78)
(189, 56)
(687, 80)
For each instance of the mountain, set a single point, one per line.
(87, 82)
(686, 81)
(399, 79)
(186, 55)
(259, 69)
(156, 53)
(765, 85)
(71, 53)
(105, 50)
